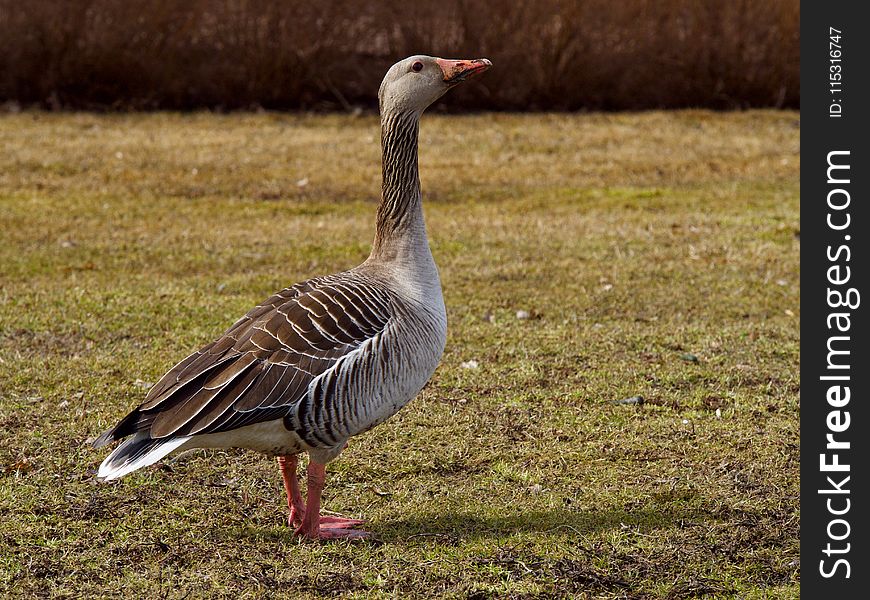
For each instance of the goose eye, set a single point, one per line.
(417, 66)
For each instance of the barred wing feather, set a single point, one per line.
(262, 365)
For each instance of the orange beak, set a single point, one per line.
(455, 71)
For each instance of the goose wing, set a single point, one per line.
(264, 363)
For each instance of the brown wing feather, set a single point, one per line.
(264, 362)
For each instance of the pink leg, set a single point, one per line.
(324, 528)
(288, 464)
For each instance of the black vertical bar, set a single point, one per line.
(835, 227)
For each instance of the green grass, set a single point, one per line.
(657, 255)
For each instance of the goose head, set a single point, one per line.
(414, 83)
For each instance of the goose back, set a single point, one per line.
(331, 357)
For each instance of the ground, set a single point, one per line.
(652, 255)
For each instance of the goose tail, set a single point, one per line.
(139, 451)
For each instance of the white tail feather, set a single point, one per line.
(135, 453)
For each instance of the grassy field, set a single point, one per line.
(656, 255)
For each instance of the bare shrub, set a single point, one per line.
(331, 54)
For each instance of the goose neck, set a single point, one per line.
(400, 213)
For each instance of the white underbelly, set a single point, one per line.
(269, 437)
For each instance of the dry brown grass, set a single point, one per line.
(551, 54)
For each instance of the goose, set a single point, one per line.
(325, 359)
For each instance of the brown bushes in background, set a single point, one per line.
(331, 54)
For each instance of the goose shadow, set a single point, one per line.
(469, 526)
(456, 526)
